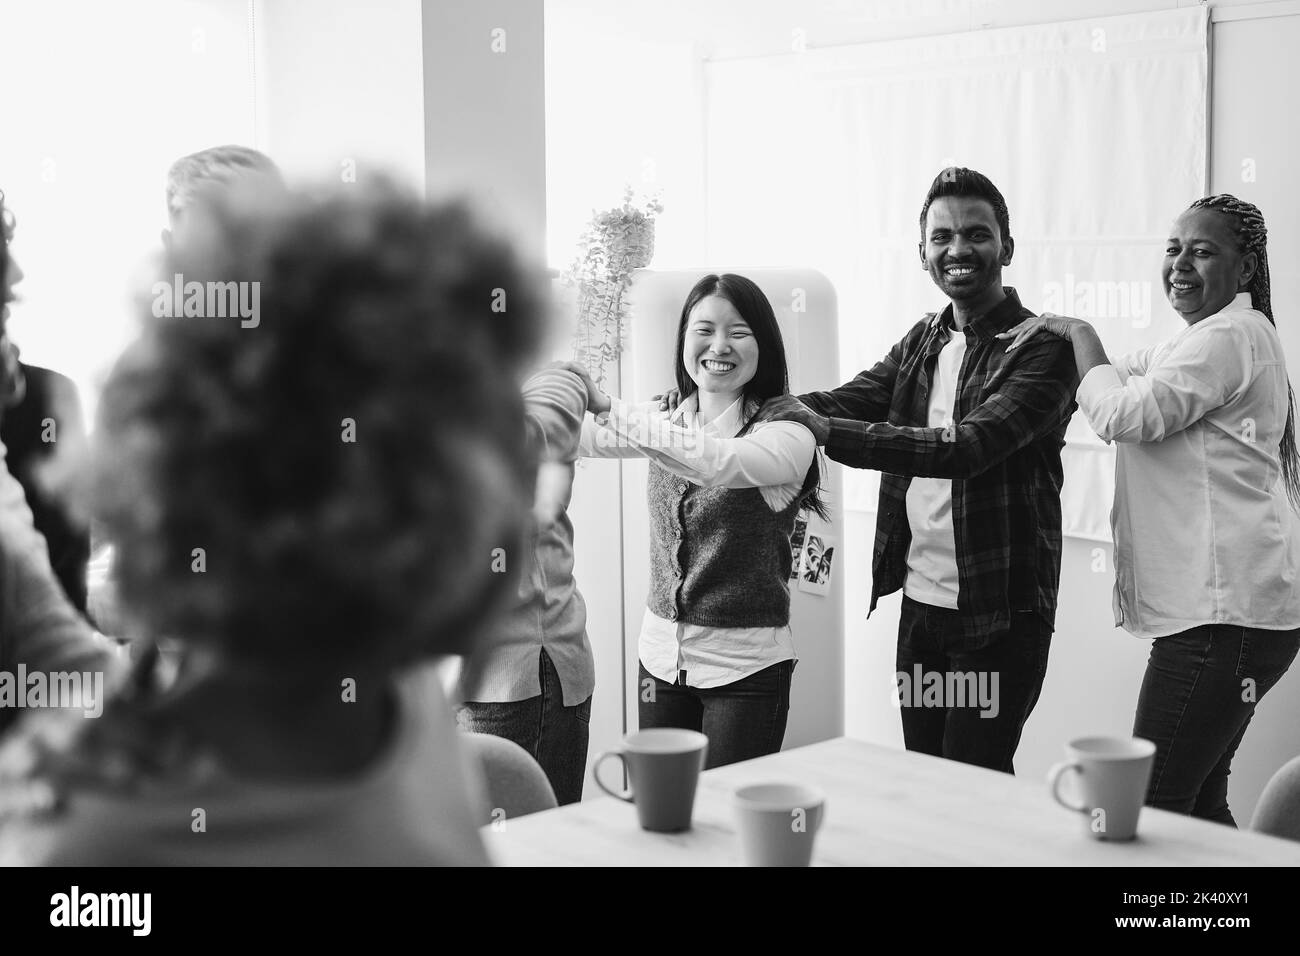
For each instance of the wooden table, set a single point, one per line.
(883, 807)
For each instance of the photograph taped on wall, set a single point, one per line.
(815, 568)
(796, 543)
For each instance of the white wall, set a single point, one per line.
(339, 88)
(623, 107)
(421, 90)
(99, 99)
(484, 102)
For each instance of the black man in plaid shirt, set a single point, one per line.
(968, 437)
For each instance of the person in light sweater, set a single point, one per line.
(716, 651)
(308, 508)
(1207, 483)
(532, 683)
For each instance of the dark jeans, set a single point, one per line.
(1198, 696)
(556, 736)
(967, 705)
(743, 719)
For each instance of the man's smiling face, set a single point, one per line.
(964, 249)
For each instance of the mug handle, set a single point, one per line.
(1054, 783)
(595, 775)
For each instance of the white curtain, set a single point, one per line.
(1094, 130)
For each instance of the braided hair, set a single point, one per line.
(1252, 236)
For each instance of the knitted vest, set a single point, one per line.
(719, 557)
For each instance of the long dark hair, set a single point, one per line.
(772, 377)
(1252, 236)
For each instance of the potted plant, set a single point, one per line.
(616, 242)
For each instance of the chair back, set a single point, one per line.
(1278, 810)
(516, 783)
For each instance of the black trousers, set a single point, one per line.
(743, 719)
(1198, 695)
(967, 705)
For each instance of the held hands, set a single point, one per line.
(668, 401)
(787, 408)
(783, 408)
(1061, 326)
(598, 403)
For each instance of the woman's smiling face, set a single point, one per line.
(719, 350)
(1204, 266)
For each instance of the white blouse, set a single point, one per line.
(1204, 533)
(773, 457)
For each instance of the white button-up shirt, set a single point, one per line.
(773, 457)
(1204, 533)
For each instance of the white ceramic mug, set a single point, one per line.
(663, 767)
(1111, 776)
(778, 823)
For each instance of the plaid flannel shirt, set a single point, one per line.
(1003, 455)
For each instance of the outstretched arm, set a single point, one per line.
(866, 398)
(1132, 400)
(1088, 350)
(555, 403)
(1201, 372)
(1036, 398)
(775, 453)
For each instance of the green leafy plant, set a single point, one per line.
(615, 243)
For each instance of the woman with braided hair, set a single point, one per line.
(1207, 537)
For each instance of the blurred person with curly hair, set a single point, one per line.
(533, 682)
(309, 509)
